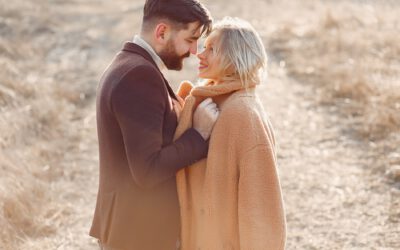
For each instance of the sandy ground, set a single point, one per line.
(333, 199)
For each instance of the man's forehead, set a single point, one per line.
(194, 30)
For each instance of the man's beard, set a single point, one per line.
(170, 58)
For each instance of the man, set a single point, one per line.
(137, 205)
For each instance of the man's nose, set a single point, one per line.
(193, 48)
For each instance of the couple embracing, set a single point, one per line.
(194, 169)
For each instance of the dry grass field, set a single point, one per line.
(333, 95)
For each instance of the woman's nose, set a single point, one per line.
(200, 55)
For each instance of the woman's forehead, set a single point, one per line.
(211, 38)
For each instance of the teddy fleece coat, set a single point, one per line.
(232, 199)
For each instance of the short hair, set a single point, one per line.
(179, 12)
(239, 47)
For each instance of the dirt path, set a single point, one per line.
(332, 199)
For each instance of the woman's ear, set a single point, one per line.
(162, 33)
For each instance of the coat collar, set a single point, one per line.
(136, 49)
(142, 43)
(211, 90)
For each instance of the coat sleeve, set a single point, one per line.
(260, 208)
(139, 102)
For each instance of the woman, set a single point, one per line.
(232, 199)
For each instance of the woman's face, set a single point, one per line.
(209, 60)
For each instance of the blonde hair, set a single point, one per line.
(239, 47)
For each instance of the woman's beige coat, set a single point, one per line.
(232, 199)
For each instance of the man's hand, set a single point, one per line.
(205, 117)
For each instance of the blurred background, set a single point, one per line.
(333, 95)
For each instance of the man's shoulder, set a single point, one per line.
(127, 68)
(125, 62)
(129, 64)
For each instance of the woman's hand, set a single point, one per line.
(204, 117)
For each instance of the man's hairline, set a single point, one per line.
(173, 25)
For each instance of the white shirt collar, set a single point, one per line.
(142, 43)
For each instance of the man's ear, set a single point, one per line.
(162, 33)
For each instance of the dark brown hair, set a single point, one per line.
(178, 12)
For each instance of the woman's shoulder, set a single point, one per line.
(242, 104)
(245, 118)
(244, 114)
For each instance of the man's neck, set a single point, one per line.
(142, 42)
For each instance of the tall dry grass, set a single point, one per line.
(35, 109)
(52, 54)
(351, 53)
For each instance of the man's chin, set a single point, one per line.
(176, 66)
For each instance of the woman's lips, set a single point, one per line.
(202, 66)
